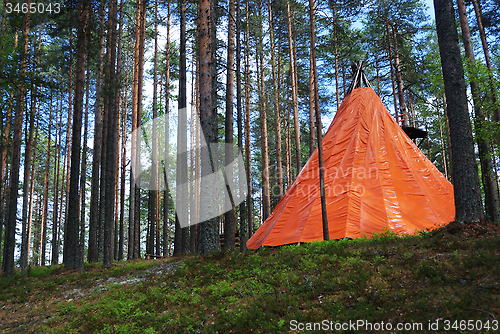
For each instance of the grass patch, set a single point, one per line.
(413, 279)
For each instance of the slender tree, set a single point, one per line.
(181, 174)
(266, 200)
(312, 24)
(230, 216)
(92, 253)
(208, 230)
(72, 226)
(293, 75)
(10, 226)
(277, 111)
(468, 204)
(112, 139)
(487, 172)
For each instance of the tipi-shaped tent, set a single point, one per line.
(375, 178)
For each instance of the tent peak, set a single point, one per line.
(359, 77)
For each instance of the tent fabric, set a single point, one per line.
(376, 178)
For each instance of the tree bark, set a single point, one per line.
(266, 202)
(312, 22)
(294, 90)
(181, 174)
(153, 190)
(28, 175)
(166, 198)
(230, 216)
(248, 152)
(208, 230)
(112, 140)
(72, 226)
(487, 172)
(468, 204)
(10, 226)
(92, 254)
(277, 128)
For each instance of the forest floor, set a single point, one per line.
(448, 278)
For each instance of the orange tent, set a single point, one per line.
(375, 178)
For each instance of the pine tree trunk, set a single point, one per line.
(181, 173)
(57, 164)
(166, 198)
(266, 205)
(294, 90)
(112, 140)
(83, 173)
(72, 226)
(312, 22)
(468, 204)
(92, 255)
(10, 226)
(153, 190)
(248, 152)
(277, 128)
(487, 172)
(312, 136)
(122, 112)
(134, 211)
(230, 216)
(43, 227)
(208, 230)
(27, 190)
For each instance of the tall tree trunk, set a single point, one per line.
(26, 183)
(312, 136)
(277, 128)
(266, 201)
(83, 172)
(193, 176)
(247, 122)
(312, 22)
(134, 211)
(3, 152)
(230, 216)
(43, 226)
(27, 189)
(294, 89)
(72, 226)
(166, 197)
(181, 174)
(57, 164)
(208, 230)
(239, 121)
(92, 254)
(487, 172)
(468, 204)
(112, 140)
(153, 192)
(10, 226)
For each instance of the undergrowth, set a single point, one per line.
(427, 278)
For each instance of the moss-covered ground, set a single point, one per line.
(448, 277)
